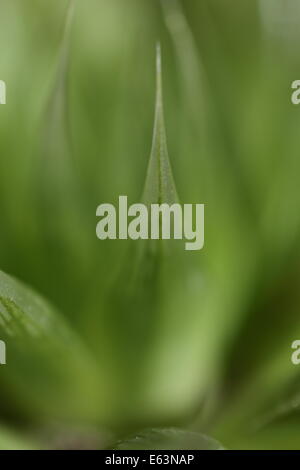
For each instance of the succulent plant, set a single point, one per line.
(139, 344)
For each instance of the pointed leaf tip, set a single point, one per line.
(158, 63)
(159, 186)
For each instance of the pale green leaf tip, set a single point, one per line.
(69, 17)
(159, 87)
(55, 132)
(158, 70)
(159, 186)
(70, 14)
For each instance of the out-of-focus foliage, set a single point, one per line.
(149, 334)
(169, 439)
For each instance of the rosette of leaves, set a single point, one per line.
(194, 348)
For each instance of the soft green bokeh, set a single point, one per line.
(199, 340)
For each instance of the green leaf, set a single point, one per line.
(47, 366)
(55, 133)
(136, 298)
(63, 238)
(159, 186)
(155, 329)
(10, 440)
(169, 439)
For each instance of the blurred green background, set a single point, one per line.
(196, 340)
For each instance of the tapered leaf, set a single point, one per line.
(159, 186)
(64, 237)
(136, 298)
(47, 365)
